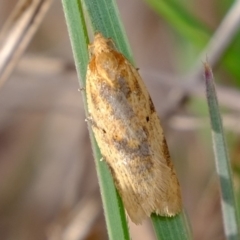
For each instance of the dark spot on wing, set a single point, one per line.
(152, 108)
(166, 151)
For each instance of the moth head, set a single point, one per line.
(100, 44)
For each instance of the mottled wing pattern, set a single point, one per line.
(129, 134)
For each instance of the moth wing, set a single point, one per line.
(128, 131)
(150, 183)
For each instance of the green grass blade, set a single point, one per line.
(171, 228)
(114, 210)
(104, 18)
(229, 208)
(113, 207)
(109, 24)
(78, 37)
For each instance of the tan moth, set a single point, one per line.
(129, 134)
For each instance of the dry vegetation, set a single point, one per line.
(48, 183)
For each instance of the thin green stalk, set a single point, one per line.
(229, 208)
(113, 208)
(172, 227)
(105, 21)
(104, 18)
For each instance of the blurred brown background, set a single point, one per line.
(48, 183)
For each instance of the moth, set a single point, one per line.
(129, 134)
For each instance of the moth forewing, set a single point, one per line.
(129, 134)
